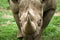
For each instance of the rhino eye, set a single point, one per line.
(39, 22)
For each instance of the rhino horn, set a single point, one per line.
(30, 26)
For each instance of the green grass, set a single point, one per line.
(52, 32)
(4, 4)
(7, 31)
(58, 5)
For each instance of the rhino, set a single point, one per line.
(32, 16)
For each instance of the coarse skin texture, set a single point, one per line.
(32, 16)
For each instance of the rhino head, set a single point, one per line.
(30, 15)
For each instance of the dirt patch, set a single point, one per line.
(7, 16)
(57, 14)
(7, 23)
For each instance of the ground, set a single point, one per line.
(57, 14)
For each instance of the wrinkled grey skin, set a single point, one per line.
(32, 16)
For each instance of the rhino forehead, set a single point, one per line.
(34, 15)
(25, 4)
(33, 6)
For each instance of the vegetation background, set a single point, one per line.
(8, 27)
